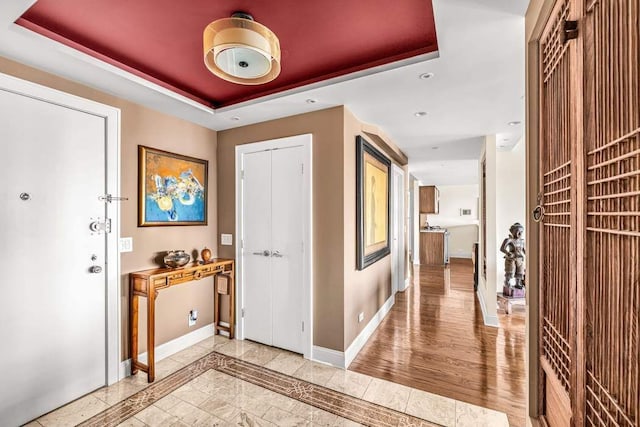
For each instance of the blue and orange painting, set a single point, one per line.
(175, 189)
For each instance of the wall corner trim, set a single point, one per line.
(488, 320)
(328, 356)
(365, 334)
(170, 347)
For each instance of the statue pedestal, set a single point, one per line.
(510, 292)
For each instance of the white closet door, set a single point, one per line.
(52, 309)
(256, 233)
(287, 237)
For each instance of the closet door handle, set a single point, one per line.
(263, 253)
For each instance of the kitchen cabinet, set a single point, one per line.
(429, 199)
(434, 248)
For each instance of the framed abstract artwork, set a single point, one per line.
(172, 189)
(373, 180)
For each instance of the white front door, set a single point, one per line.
(272, 236)
(397, 230)
(52, 307)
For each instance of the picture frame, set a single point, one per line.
(172, 188)
(373, 207)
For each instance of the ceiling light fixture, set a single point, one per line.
(420, 113)
(311, 101)
(516, 123)
(425, 76)
(235, 118)
(240, 50)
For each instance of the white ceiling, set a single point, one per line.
(477, 88)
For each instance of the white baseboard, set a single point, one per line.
(488, 320)
(461, 255)
(341, 359)
(328, 356)
(365, 334)
(171, 347)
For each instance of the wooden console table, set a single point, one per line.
(147, 283)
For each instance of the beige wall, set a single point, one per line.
(328, 226)
(140, 125)
(367, 290)
(510, 199)
(340, 291)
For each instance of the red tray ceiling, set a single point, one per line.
(161, 40)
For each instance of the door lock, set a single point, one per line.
(95, 269)
(99, 226)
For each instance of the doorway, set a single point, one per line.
(60, 298)
(273, 225)
(397, 230)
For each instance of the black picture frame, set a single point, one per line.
(370, 249)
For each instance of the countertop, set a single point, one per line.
(437, 230)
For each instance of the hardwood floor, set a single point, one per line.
(434, 339)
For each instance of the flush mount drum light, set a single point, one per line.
(240, 50)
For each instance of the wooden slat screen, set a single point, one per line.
(612, 277)
(556, 180)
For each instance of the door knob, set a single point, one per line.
(95, 269)
(263, 253)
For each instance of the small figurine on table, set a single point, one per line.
(513, 248)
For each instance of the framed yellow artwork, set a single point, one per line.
(373, 180)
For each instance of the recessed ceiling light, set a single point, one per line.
(425, 76)
(505, 140)
(235, 118)
(515, 123)
(420, 113)
(311, 101)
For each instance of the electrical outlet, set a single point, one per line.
(193, 317)
(360, 317)
(126, 244)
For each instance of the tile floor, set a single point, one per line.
(221, 382)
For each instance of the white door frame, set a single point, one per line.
(397, 224)
(111, 117)
(305, 141)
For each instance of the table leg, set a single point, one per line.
(151, 326)
(216, 305)
(133, 327)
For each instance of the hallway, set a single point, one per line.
(434, 339)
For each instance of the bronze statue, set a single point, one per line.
(513, 248)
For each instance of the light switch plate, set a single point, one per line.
(126, 244)
(226, 239)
